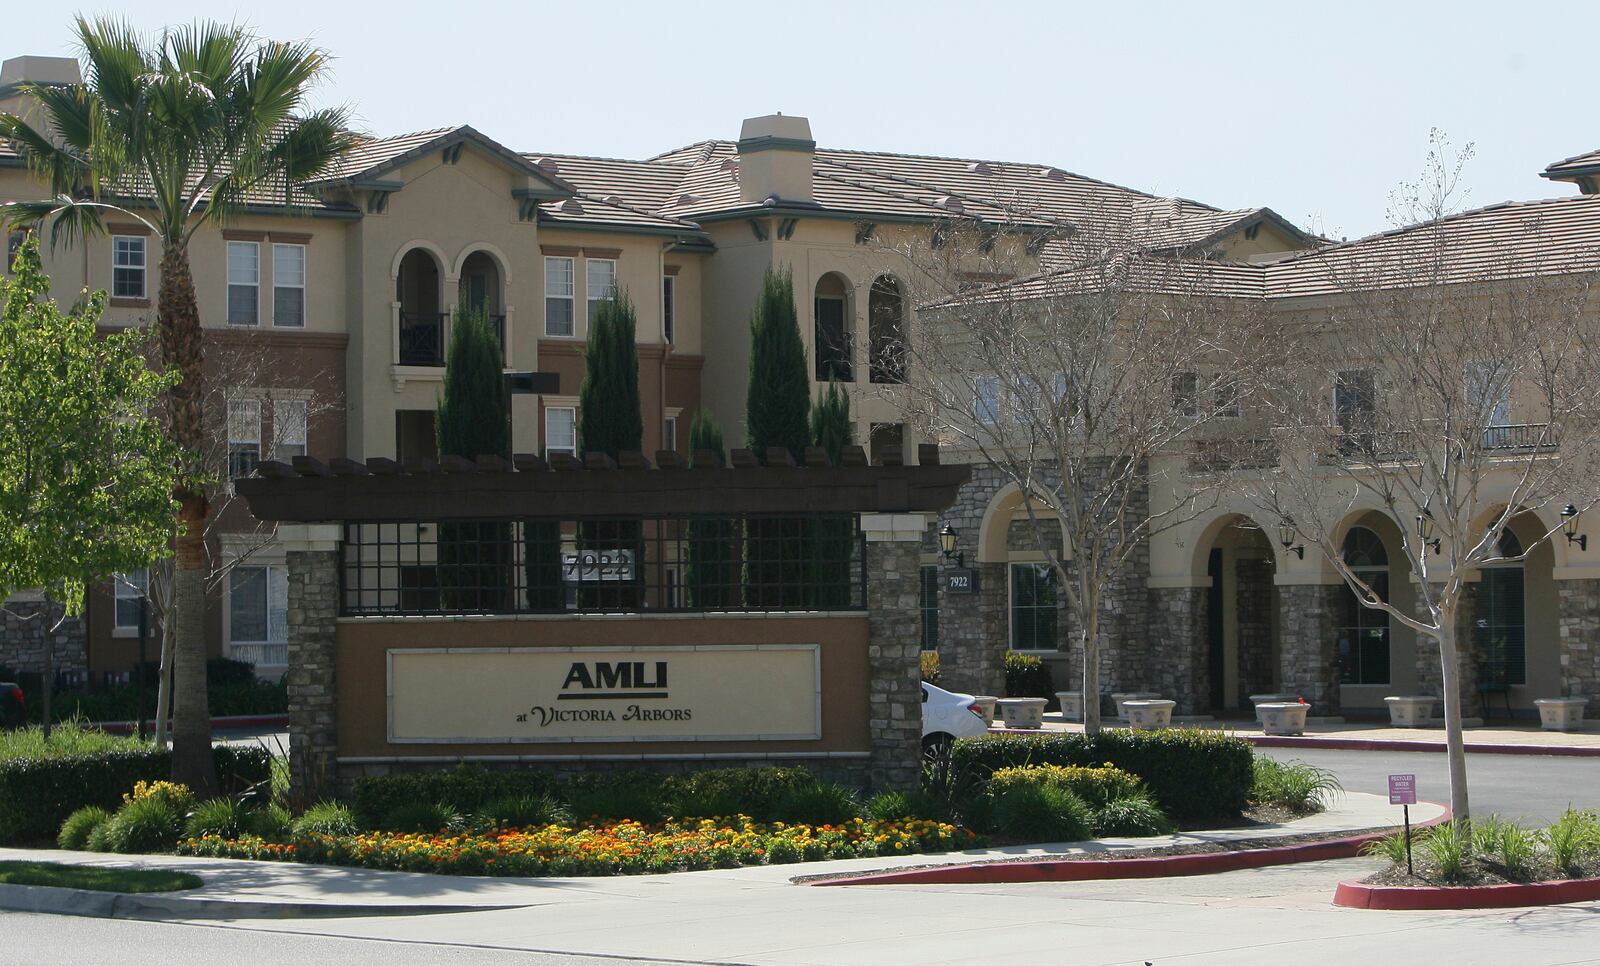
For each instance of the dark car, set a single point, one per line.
(13, 709)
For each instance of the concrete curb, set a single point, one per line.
(1154, 867)
(123, 905)
(235, 721)
(1398, 744)
(1356, 895)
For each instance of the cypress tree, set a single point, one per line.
(711, 574)
(831, 537)
(473, 419)
(777, 402)
(609, 422)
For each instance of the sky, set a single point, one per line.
(1318, 111)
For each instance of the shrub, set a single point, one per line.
(1096, 786)
(1517, 849)
(1042, 812)
(151, 823)
(1574, 837)
(175, 793)
(1193, 775)
(525, 811)
(619, 795)
(422, 817)
(1028, 677)
(891, 806)
(755, 792)
(1391, 847)
(219, 816)
(465, 789)
(1295, 785)
(75, 831)
(1446, 846)
(273, 822)
(1132, 815)
(822, 803)
(327, 818)
(99, 839)
(930, 667)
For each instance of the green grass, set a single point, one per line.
(96, 878)
(1293, 785)
(65, 740)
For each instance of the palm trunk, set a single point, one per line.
(1455, 746)
(178, 324)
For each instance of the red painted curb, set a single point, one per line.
(236, 721)
(1355, 895)
(1084, 870)
(1399, 744)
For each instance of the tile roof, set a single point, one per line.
(1585, 163)
(374, 152)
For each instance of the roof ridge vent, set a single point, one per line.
(612, 199)
(548, 166)
(729, 164)
(949, 203)
(981, 167)
(1054, 174)
(571, 207)
(686, 199)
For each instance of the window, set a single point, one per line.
(1502, 618)
(986, 408)
(244, 436)
(558, 296)
(1185, 393)
(414, 437)
(929, 601)
(882, 435)
(1033, 607)
(1226, 390)
(127, 267)
(669, 308)
(886, 331)
(669, 433)
(289, 285)
(288, 429)
(129, 589)
(419, 588)
(1363, 634)
(833, 339)
(600, 277)
(244, 283)
(258, 605)
(13, 248)
(560, 430)
(1354, 405)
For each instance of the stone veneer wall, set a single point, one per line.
(1177, 619)
(312, 625)
(1308, 644)
(894, 646)
(1580, 641)
(1430, 679)
(24, 629)
(1254, 602)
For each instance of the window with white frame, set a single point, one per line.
(128, 267)
(289, 285)
(244, 283)
(558, 296)
(258, 605)
(600, 280)
(986, 407)
(560, 430)
(129, 589)
(669, 433)
(669, 308)
(244, 436)
(288, 429)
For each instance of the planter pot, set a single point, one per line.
(1146, 714)
(1022, 712)
(1071, 704)
(985, 704)
(1283, 717)
(1123, 698)
(1561, 714)
(1257, 700)
(1410, 711)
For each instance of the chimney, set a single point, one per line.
(775, 157)
(44, 71)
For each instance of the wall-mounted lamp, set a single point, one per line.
(947, 545)
(1425, 529)
(1569, 524)
(1286, 537)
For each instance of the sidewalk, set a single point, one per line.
(237, 889)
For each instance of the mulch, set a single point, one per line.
(1479, 872)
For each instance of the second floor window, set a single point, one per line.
(288, 429)
(560, 431)
(289, 285)
(244, 283)
(600, 277)
(986, 408)
(1185, 393)
(258, 605)
(128, 267)
(1354, 404)
(558, 296)
(128, 589)
(244, 436)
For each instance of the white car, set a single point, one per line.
(947, 716)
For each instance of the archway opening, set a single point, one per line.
(886, 331)
(1241, 642)
(831, 308)
(422, 322)
(482, 292)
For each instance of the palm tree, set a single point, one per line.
(177, 130)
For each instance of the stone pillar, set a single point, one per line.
(1308, 646)
(972, 634)
(1179, 667)
(312, 554)
(894, 644)
(1580, 641)
(26, 622)
(1430, 679)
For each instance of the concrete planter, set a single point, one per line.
(1283, 717)
(1123, 698)
(1561, 714)
(1410, 711)
(1146, 714)
(985, 704)
(1022, 712)
(1071, 704)
(1257, 700)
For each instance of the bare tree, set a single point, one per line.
(1450, 385)
(1087, 386)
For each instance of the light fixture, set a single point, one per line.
(1286, 537)
(1569, 523)
(947, 545)
(1425, 529)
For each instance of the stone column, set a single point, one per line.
(1308, 647)
(894, 644)
(1179, 666)
(972, 634)
(1430, 679)
(312, 554)
(1580, 641)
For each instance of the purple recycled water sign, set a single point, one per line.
(1402, 789)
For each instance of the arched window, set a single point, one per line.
(1501, 617)
(832, 311)
(1363, 632)
(421, 321)
(481, 292)
(886, 331)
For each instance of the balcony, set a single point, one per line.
(1369, 446)
(1230, 454)
(1520, 437)
(422, 338)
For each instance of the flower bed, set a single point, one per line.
(608, 848)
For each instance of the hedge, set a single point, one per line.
(1028, 676)
(464, 788)
(37, 794)
(1193, 775)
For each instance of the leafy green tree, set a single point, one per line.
(830, 538)
(86, 475)
(712, 571)
(473, 420)
(777, 552)
(610, 422)
(192, 121)
(831, 427)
